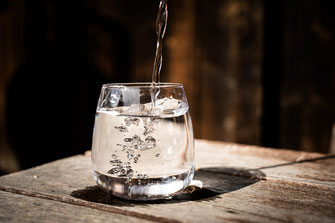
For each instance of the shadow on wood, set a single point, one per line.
(216, 181)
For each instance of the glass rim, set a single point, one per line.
(142, 85)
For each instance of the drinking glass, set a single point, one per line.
(143, 146)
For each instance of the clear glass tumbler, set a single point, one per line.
(143, 146)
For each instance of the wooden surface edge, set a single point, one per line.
(82, 203)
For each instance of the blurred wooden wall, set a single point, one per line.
(255, 71)
(12, 56)
(307, 110)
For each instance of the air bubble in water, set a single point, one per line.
(121, 128)
(150, 142)
(115, 162)
(130, 156)
(123, 171)
(149, 125)
(136, 138)
(137, 143)
(130, 151)
(114, 170)
(128, 140)
(130, 173)
(130, 120)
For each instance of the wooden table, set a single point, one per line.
(241, 184)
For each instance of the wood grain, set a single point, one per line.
(19, 208)
(279, 164)
(235, 187)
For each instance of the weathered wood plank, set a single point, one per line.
(19, 208)
(280, 164)
(228, 44)
(225, 197)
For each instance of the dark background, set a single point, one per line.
(255, 71)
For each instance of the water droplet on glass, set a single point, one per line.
(130, 156)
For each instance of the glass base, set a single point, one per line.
(144, 188)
